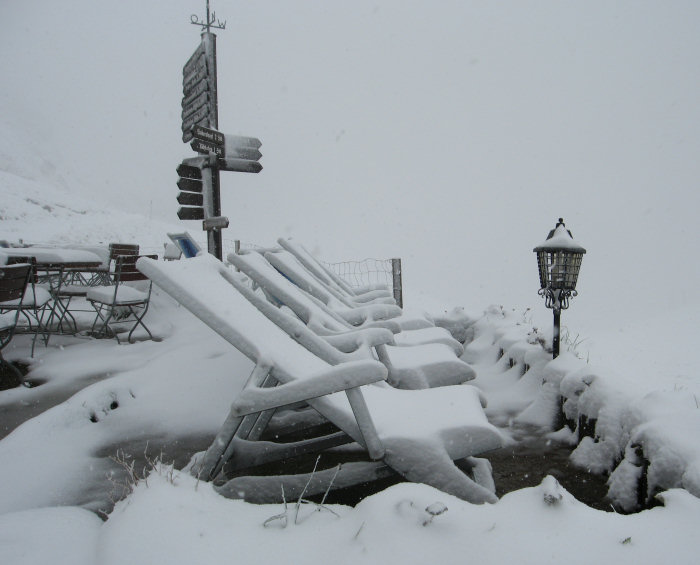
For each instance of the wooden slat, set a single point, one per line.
(13, 281)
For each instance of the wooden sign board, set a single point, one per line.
(189, 171)
(190, 199)
(206, 147)
(239, 165)
(208, 134)
(199, 98)
(190, 185)
(242, 141)
(190, 213)
(247, 153)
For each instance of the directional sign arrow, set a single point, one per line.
(239, 165)
(207, 134)
(247, 153)
(189, 171)
(190, 199)
(191, 185)
(242, 141)
(190, 213)
(206, 147)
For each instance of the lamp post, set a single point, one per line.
(559, 261)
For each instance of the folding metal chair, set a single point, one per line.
(121, 303)
(34, 302)
(13, 283)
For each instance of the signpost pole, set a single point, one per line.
(214, 239)
(200, 108)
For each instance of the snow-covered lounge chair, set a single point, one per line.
(417, 434)
(331, 280)
(421, 358)
(290, 267)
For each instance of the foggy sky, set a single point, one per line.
(452, 134)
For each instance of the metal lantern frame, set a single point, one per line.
(559, 261)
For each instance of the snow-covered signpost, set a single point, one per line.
(559, 261)
(199, 176)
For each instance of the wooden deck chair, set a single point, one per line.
(330, 279)
(430, 358)
(416, 434)
(290, 267)
(121, 303)
(318, 316)
(293, 270)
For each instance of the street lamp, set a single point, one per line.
(559, 261)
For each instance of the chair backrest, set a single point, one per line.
(13, 281)
(125, 268)
(117, 249)
(333, 297)
(323, 273)
(314, 266)
(220, 298)
(31, 261)
(312, 311)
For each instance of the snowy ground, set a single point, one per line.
(639, 405)
(171, 395)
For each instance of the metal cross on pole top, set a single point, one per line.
(199, 185)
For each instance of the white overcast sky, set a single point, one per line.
(452, 134)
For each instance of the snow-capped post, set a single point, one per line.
(559, 261)
(397, 281)
(200, 122)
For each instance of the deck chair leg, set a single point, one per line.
(260, 424)
(364, 421)
(257, 422)
(221, 448)
(249, 423)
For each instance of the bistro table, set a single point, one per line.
(53, 264)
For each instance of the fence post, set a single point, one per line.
(396, 277)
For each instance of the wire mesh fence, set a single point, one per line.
(363, 273)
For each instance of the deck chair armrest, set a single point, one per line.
(336, 379)
(382, 296)
(369, 313)
(352, 340)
